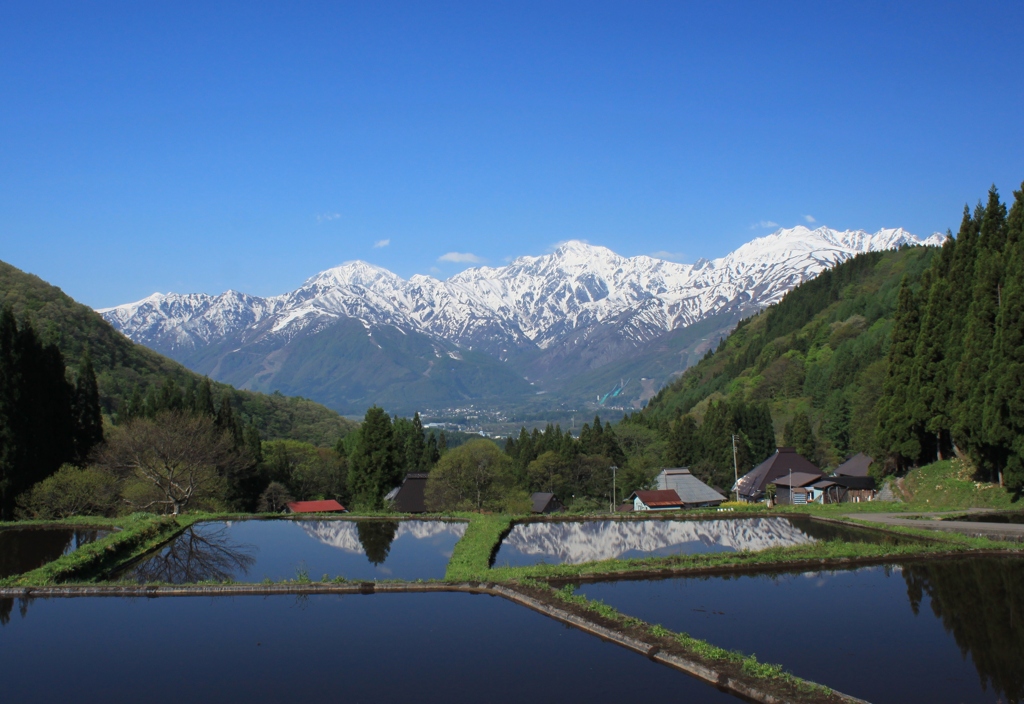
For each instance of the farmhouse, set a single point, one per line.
(691, 491)
(544, 502)
(856, 466)
(410, 496)
(656, 500)
(751, 486)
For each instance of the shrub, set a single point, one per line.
(72, 491)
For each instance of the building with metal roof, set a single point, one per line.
(691, 491)
(796, 487)
(410, 496)
(545, 502)
(656, 500)
(751, 485)
(329, 506)
(856, 466)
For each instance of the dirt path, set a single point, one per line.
(932, 521)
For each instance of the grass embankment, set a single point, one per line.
(731, 663)
(471, 559)
(138, 533)
(950, 485)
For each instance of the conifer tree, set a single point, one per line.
(1003, 414)
(415, 447)
(897, 432)
(204, 399)
(88, 416)
(972, 380)
(800, 435)
(684, 442)
(372, 467)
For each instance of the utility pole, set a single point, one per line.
(735, 468)
(613, 468)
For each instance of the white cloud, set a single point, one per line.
(810, 218)
(381, 243)
(434, 270)
(764, 224)
(327, 217)
(460, 257)
(670, 256)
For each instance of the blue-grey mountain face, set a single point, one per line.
(564, 323)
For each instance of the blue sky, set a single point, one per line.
(152, 146)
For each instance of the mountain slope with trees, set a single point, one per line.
(123, 368)
(815, 363)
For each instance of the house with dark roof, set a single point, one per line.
(795, 487)
(691, 491)
(410, 495)
(544, 502)
(751, 486)
(856, 466)
(656, 500)
(329, 506)
(840, 489)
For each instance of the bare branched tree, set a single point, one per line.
(182, 458)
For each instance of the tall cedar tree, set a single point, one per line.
(38, 411)
(896, 429)
(372, 468)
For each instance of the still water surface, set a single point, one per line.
(254, 550)
(323, 648)
(573, 542)
(947, 631)
(25, 549)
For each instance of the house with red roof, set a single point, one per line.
(329, 506)
(656, 500)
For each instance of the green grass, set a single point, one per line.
(949, 485)
(472, 555)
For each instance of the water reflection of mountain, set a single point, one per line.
(981, 602)
(573, 543)
(344, 535)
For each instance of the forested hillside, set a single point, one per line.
(816, 362)
(955, 378)
(123, 367)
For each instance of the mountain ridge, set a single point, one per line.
(533, 313)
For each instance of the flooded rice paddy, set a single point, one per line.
(994, 517)
(255, 550)
(575, 542)
(25, 549)
(382, 648)
(945, 631)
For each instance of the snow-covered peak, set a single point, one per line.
(535, 300)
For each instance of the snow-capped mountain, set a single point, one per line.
(548, 308)
(534, 299)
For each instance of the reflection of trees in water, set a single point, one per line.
(24, 549)
(376, 538)
(202, 554)
(7, 606)
(981, 602)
